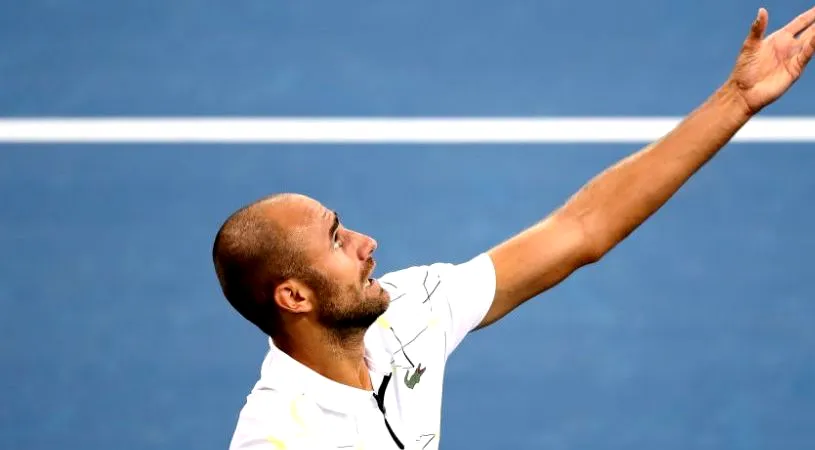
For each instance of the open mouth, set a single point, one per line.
(369, 281)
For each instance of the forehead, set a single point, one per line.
(306, 219)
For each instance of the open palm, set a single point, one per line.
(767, 67)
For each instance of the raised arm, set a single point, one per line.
(613, 204)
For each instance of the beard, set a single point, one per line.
(347, 309)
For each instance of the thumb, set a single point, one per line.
(758, 28)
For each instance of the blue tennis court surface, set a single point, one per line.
(696, 333)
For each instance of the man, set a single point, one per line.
(356, 362)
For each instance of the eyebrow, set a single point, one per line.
(334, 226)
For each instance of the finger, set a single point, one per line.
(806, 53)
(807, 34)
(800, 23)
(759, 27)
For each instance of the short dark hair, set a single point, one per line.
(252, 255)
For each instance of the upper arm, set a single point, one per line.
(535, 260)
(471, 295)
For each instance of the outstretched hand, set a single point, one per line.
(767, 67)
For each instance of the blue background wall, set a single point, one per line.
(696, 333)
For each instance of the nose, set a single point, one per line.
(368, 246)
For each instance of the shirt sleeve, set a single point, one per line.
(470, 290)
(453, 296)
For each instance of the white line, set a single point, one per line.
(379, 130)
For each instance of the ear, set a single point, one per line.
(293, 296)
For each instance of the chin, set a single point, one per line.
(377, 303)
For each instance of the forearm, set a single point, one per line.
(613, 204)
(617, 201)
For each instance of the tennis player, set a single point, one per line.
(358, 362)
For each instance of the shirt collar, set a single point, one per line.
(281, 371)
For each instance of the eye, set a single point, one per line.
(337, 243)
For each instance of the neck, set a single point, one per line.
(338, 357)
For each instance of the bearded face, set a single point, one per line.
(348, 306)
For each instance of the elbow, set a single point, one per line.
(591, 251)
(593, 254)
(591, 245)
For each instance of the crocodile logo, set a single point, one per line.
(412, 380)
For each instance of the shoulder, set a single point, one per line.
(450, 298)
(476, 274)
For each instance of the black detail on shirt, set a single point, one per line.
(429, 293)
(380, 402)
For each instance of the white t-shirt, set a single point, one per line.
(432, 309)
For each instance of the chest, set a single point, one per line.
(412, 399)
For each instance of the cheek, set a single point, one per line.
(347, 273)
(340, 267)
